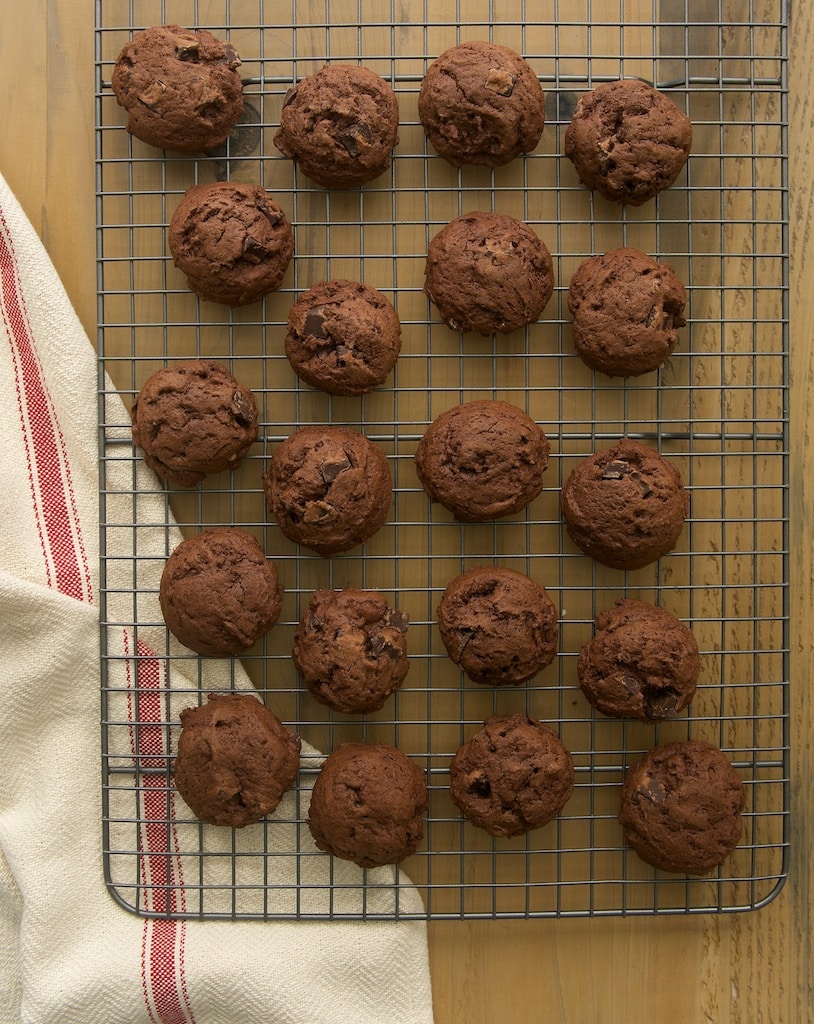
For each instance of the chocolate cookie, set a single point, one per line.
(329, 488)
(180, 88)
(219, 593)
(233, 242)
(681, 807)
(340, 126)
(498, 625)
(350, 648)
(235, 760)
(367, 805)
(627, 309)
(488, 272)
(625, 506)
(641, 663)
(628, 141)
(192, 419)
(482, 460)
(481, 103)
(512, 776)
(343, 337)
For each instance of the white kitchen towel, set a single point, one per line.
(69, 954)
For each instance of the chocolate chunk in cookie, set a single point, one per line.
(192, 419)
(513, 776)
(488, 272)
(481, 103)
(482, 460)
(180, 88)
(681, 807)
(235, 760)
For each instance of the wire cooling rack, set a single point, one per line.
(718, 410)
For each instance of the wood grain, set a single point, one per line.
(725, 969)
(47, 144)
(798, 900)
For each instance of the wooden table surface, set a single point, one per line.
(749, 968)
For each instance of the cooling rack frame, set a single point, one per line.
(718, 409)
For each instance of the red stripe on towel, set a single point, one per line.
(52, 495)
(164, 947)
(66, 568)
(162, 967)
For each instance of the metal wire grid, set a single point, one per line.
(718, 410)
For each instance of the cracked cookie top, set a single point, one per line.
(350, 649)
(180, 88)
(344, 337)
(219, 594)
(628, 141)
(367, 804)
(642, 663)
(191, 419)
(498, 625)
(625, 506)
(627, 310)
(488, 272)
(482, 460)
(340, 126)
(232, 240)
(235, 760)
(481, 103)
(512, 776)
(681, 807)
(329, 488)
